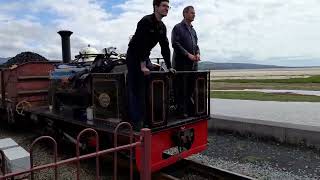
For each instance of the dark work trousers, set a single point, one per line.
(136, 90)
(184, 89)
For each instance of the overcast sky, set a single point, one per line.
(280, 32)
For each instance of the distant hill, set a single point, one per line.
(206, 65)
(3, 60)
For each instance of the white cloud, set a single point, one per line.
(263, 31)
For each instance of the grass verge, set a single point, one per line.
(311, 79)
(291, 86)
(285, 97)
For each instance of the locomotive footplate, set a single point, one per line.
(62, 117)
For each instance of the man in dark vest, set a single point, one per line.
(185, 58)
(150, 30)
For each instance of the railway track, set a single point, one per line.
(188, 169)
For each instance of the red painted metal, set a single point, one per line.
(146, 154)
(162, 141)
(55, 154)
(33, 99)
(2, 89)
(97, 150)
(35, 68)
(27, 82)
(115, 139)
(29, 85)
(144, 143)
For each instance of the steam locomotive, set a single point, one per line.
(91, 91)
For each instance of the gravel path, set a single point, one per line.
(262, 160)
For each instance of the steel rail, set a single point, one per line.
(185, 166)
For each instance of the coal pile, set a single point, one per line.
(25, 57)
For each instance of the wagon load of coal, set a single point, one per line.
(25, 57)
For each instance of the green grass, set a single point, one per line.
(311, 79)
(238, 86)
(263, 96)
(309, 83)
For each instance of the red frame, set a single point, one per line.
(161, 141)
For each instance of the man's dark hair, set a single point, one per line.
(158, 2)
(186, 10)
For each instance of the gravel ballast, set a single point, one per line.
(260, 159)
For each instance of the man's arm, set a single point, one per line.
(165, 50)
(197, 48)
(140, 43)
(175, 40)
(141, 39)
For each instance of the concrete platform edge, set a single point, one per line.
(295, 134)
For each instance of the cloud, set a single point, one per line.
(227, 29)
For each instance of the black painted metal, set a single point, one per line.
(66, 50)
(110, 90)
(108, 96)
(157, 100)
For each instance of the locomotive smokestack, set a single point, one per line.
(66, 50)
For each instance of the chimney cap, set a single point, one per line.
(65, 32)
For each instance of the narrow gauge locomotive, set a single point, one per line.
(91, 91)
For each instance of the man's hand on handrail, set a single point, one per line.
(171, 70)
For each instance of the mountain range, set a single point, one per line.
(3, 60)
(208, 65)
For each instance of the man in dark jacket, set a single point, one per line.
(185, 58)
(150, 30)
(185, 43)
